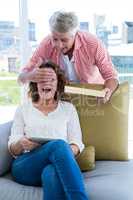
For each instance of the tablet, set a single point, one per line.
(40, 139)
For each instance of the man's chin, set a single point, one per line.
(64, 51)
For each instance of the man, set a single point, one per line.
(81, 55)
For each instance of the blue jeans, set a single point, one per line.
(54, 167)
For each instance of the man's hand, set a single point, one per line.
(37, 74)
(41, 75)
(108, 94)
(110, 87)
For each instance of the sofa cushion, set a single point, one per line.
(104, 126)
(5, 157)
(17, 191)
(86, 159)
(111, 180)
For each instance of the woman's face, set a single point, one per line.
(47, 90)
(63, 41)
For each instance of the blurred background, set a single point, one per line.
(24, 23)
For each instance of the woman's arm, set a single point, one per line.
(18, 142)
(75, 149)
(16, 148)
(74, 131)
(17, 132)
(24, 144)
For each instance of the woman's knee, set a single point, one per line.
(61, 144)
(55, 143)
(48, 173)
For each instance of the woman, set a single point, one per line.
(52, 164)
(82, 56)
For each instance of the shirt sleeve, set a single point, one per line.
(42, 52)
(104, 62)
(17, 130)
(73, 129)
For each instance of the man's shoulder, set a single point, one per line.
(87, 41)
(47, 40)
(87, 36)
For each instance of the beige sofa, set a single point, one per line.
(104, 127)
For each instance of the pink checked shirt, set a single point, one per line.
(91, 60)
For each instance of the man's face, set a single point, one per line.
(63, 41)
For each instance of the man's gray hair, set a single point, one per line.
(63, 22)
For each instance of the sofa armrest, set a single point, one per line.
(5, 157)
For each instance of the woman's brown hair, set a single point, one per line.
(61, 81)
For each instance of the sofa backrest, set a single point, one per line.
(5, 157)
(104, 126)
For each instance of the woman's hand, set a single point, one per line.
(75, 149)
(24, 144)
(27, 144)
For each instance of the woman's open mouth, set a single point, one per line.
(46, 90)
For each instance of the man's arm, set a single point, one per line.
(23, 77)
(38, 75)
(104, 63)
(110, 87)
(107, 70)
(112, 84)
(29, 72)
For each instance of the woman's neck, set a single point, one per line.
(47, 103)
(46, 106)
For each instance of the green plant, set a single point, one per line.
(9, 92)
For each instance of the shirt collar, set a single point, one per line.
(78, 43)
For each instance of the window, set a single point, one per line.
(112, 21)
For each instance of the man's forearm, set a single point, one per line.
(112, 84)
(23, 77)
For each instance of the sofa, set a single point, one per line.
(105, 128)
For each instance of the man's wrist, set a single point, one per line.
(24, 77)
(111, 84)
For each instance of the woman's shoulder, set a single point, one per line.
(24, 107)
(67, 105)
